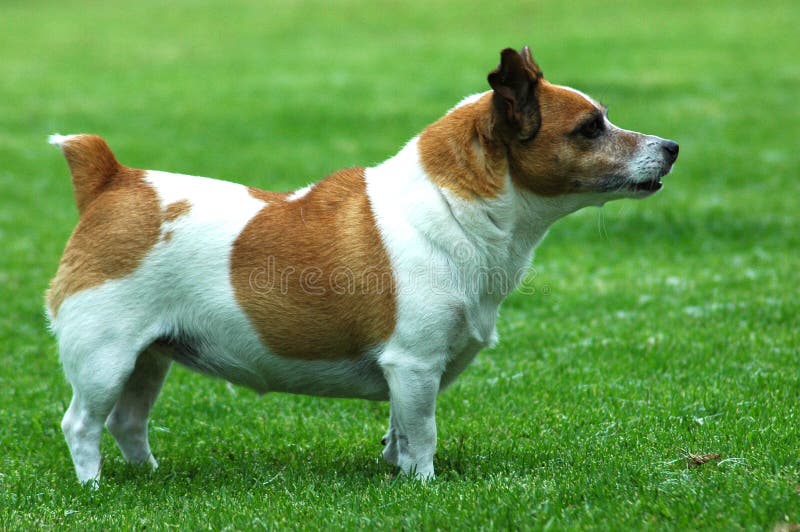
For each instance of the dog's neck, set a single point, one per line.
(452, 185)
(472, 171)
(463, 155)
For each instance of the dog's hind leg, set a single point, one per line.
(128, 420)
(99, 352)
(98, 378)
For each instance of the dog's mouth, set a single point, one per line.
(651, 185)
(619, 184)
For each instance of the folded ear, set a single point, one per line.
(515, 82)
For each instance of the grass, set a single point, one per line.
(659, 328)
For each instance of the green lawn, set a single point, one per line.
(659, 328)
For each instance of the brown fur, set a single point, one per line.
(558, 162)
(113, 235)
(176, 209)
(93, 167)
(120, 220)
(265, 195)
(459, 154)
(313, 275)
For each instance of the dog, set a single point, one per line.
(380, 283)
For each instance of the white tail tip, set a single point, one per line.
(58, 140)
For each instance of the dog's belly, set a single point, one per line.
(265, 372)
(205, 329)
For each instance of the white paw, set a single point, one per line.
(421, 470)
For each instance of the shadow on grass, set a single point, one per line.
(466, 458)
(254, 469)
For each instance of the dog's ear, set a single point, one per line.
(515, 82)
(530, 64)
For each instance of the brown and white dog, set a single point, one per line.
(380, 283)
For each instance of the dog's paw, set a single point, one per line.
(423, 473)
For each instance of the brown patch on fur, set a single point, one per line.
(120, 220)
(556, 161)
(265, 195)
(458, 153)
(93, 167)
(113, 235)
(313, 275)
(176, 209)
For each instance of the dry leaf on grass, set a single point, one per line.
(696, 460)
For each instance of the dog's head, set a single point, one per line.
(560, 141)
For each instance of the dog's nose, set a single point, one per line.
(672, 150)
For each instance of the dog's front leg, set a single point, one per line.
(412, 427)
(389, 441)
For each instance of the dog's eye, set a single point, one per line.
(594, 128)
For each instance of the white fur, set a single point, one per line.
(59, 140)
(649, 162)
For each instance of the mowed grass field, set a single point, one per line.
(658, 329)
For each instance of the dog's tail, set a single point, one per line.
(91, 162)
